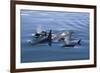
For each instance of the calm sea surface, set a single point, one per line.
(58, 22)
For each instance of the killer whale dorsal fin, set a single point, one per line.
(79, 42)
(50, 38)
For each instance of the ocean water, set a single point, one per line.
(59, 21)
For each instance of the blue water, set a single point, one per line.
(57, 21)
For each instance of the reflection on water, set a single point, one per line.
(58, 22)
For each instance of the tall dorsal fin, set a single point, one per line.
(50, 38)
